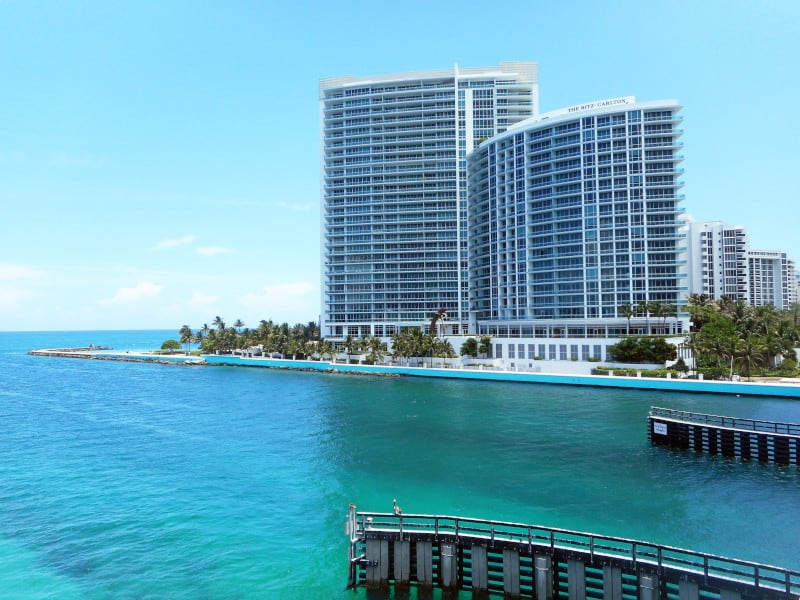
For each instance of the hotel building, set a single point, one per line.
(394, 193)
(572, 215)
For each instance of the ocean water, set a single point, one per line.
(135, 480)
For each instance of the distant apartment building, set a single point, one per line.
(718, 259)
(394, 190)
(572, 215)
(772, 279)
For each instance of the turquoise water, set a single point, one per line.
(135, 480)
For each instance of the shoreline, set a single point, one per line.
(736, 388)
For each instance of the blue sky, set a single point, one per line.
(159, 161)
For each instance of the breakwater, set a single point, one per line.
(739, 388)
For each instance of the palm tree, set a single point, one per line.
(186, 336)
(325, 348)
(442, 349)
(627, 311)
(750, 353)
(485, 346)
(469, 347)
(656, 309)
(376, 349)
(725, 304)
(349, 344)
(670, 310)
(218, 323)
(644, 307)
(197, 338)
(699, 307)
(238, 324)
(794, 312)
(312, 330)
(439, 315)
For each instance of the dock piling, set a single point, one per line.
(480, 568)
(612, 582)
(648, 587)
(424, 563)
(544, 577)
(511, 572)
(449, 566)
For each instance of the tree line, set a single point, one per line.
(300, 339)
(303, 341)
(730, 336)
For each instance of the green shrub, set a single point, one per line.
(644, 349)
(171, 346)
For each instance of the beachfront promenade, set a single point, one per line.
(742, 388)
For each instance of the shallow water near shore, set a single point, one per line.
(136, 480)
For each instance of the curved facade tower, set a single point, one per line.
(573, 215)
(394, 203)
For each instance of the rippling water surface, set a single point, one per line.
(132, 480)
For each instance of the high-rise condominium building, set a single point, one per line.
(394, 201)
(772, 279)
(574, 215)
(718, 260)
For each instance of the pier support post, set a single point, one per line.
(377, 555)
(449, 566)
(425, 564)
(511, 573)
(612, 583)
(480, 569)
(688, 590)
(543, 577)
(576, 580)
(402, 562)
(648, 587)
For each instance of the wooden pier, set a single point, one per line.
(495, 558)
(731, 437)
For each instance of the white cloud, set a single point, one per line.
(134, 294)
(203, 299)
(213, 250)
(17, 272)
(172, 243)
(10, 297)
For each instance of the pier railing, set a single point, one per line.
(459, 536)
(726, 422)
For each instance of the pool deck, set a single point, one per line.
(741, 388)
